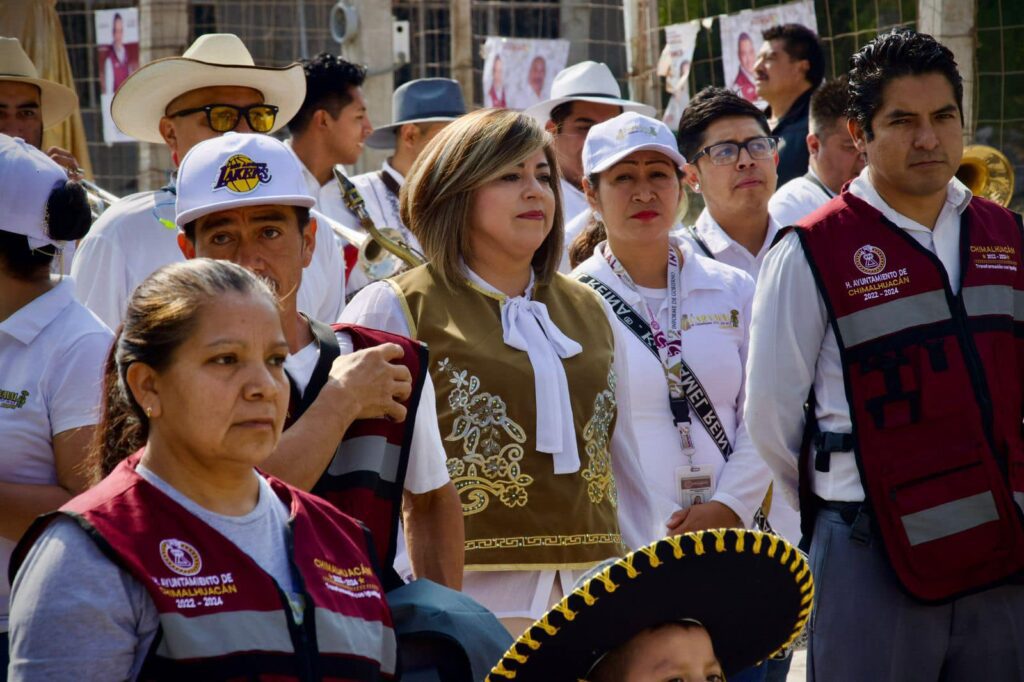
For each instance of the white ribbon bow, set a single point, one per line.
(527, 326)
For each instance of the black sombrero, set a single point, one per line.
(752, 591)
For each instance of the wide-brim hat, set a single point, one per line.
(751, 591)
(215, 59)
(56, 101)
(427, 100)
(585, 82)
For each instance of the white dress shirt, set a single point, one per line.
(798, 198)
(574, 201)
(137, 235)
(714, 343)
(729, 251)
(573, 229)
(793, 348)
(515, 594)
(52, 353)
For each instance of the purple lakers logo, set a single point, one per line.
(869, 259)
(180, 557)
(241, 175)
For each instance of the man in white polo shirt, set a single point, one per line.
(179, 101)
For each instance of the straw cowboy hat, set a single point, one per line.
(214, 59)
(751, 591)
(585, 82)
(427, 100)
(57, 101)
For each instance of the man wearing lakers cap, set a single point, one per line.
(213, 88)
(358, 433)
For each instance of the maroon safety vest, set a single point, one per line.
(366, 476)
(934, 382)
(221, 616)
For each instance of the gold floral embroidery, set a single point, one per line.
(491, 442)
(598, 474)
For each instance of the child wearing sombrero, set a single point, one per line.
(699, 606)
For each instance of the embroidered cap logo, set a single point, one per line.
(180, 557)
(869, 259)
(241, 175)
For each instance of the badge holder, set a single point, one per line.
(695, 483)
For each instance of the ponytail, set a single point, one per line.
(586, 241)
(123, 427)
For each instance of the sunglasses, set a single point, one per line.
(225, 117)
(726, 153)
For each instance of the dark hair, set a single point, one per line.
(615, 664)
(800, 42)
(709, 105)
(901, 52)
(560, 113)
(301, 215)
(744, 36)
(329, 83)
(829, 104)
(162, 313)
(68, 217)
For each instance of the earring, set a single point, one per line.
(696, 187)
(149, 412)
(598, 217)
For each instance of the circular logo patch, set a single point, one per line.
(180, 557)
(869, 259)
(241, 175)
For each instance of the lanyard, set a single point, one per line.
(668, 342)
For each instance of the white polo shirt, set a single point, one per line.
(52, 354)
(716, 301)
(798, 198)
(793, 348)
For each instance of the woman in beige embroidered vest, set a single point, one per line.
(521, 358)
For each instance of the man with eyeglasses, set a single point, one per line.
(180, 101)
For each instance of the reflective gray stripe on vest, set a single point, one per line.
(372, 639)
(1019, 499)
(950, 518)
(993, 299)
(220, 634)
(895, 316)
(367, 453)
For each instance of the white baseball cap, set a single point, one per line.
(27, 177)
(610, 142)
(238, 169)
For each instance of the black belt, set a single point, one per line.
(854, 514)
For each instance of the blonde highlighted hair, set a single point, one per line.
(437, 198)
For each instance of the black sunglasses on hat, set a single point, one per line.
(225, 117)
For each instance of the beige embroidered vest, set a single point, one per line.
(518, 513)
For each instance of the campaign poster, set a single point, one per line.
(117, 46)
(741, 40)
(674, 67)
(518, 71)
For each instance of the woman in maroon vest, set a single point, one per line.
(185, 561)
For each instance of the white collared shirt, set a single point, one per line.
(574, 201)
(508, 594)
(727, 250)
(793, 348)
(798, 198)
(716, 302)
(52, 354)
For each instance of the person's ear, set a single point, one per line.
(170, 135)
(308, 242)
(143, 383)
(592, 196)
(813, 144)
(551, 127)
(409, 135)
(858, 134)
(188, 249)
(691, 176)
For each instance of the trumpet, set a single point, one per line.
(383, 251)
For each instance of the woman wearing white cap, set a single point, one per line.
(186, 562)
(51, 348)
(680, 324)
(521, 359)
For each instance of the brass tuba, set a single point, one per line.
(987, 173)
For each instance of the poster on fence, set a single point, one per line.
(741, 40)
(518, 71)
(674, 67)
(117, 47)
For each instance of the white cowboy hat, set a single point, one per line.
(586, 82)
(214, 59)
(57, 101)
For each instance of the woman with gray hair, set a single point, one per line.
(522, 360)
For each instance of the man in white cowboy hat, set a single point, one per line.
(422, 108)
(362, 422)
(30, 104)
(582, 96)
(180, 101)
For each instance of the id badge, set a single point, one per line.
(695, 484)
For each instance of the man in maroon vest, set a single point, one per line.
(893, 307)
(362, 429)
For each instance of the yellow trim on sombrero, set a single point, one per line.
(699, 543)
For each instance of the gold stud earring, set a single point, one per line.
(149, 412)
